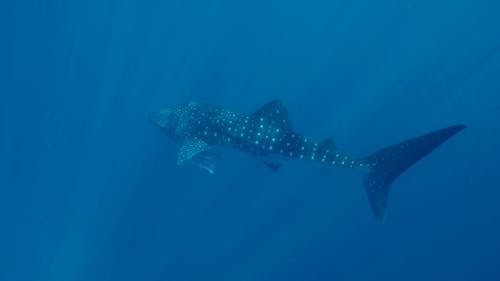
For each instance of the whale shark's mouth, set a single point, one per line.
(160, 118)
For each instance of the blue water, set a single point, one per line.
(89, 189)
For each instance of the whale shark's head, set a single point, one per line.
(166, 119)
(178, 122)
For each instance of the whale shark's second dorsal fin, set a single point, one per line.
(275, 112)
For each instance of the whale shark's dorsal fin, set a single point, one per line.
(275, 112)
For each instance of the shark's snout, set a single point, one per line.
(153, 117)
(161, 118)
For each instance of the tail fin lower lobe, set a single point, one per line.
(390, 162)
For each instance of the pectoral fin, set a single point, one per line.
(189, 149)
(196, 151)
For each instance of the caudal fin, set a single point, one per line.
(390, 162)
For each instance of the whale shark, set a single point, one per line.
(201, 128)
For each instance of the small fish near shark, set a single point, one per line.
(201, 128)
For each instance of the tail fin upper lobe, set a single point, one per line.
(390, 162)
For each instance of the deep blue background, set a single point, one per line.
(89, 189)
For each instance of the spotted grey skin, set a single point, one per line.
(267, 132)
(264, 133)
